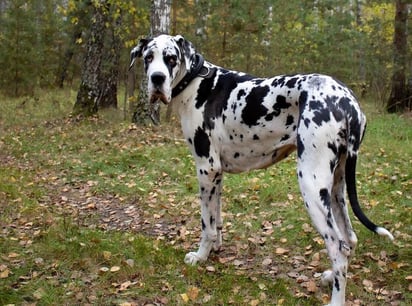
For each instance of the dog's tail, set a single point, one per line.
(350, 177)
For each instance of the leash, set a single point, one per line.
(196, 69)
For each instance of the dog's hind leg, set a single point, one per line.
(210, 185)
(317, 161)
(340, 211)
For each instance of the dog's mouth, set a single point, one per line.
(158, 96)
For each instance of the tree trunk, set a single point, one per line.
(89, 92)
(110, 69)
(160, 24)
(398, 97)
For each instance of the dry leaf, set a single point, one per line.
(107, 255)
(5, 273)
(281, 251)
(368, 285)
(184, 297)
(193, 293)
(114, 269)
(266, 262)
(311, 286)
(125, 285)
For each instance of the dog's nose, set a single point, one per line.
(158, 78)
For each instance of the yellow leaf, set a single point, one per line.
(107, 255)
(5, 273)
(114, 269)
(184, 297)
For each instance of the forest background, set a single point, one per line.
(99, 211)
(44, 43)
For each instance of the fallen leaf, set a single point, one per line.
(266, 262)
(5, 273)
(13, 255)
(125, 285)
(281, 251)
(254, 302)
(107, 255)
(368, 285)
(184, 297)
(193, 293)
(114, 269)
(311, 286)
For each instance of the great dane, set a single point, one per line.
(235, 122)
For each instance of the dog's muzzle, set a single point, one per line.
(158, 80)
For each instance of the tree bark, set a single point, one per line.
(110, 69)
(398, 98)
(89, 91)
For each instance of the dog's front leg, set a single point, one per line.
(210, 182)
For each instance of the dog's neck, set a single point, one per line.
(197, 69)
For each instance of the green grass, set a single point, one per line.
(62, 178)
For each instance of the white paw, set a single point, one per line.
(192, 258)
(327, 278)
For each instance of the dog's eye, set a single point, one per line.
(149, 58)
(171, 60)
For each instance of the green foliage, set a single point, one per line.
(349, 40)
(29, 46)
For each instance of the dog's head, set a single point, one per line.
(166, 60)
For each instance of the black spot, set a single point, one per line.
(213, 190)
(303, 97)
(254, 109)
(201, 143)
(321, 113)
(325, 197)
(241, 93)
(189, 140)
(300, 174)
(337, 286)
(300, 145)
(203, 92)
(329, 223)
(285, 137)
(236, 155)
(203, 225)
(289, 120)
(280, 104)
(255, 137)
(212, 221)
(291, 83)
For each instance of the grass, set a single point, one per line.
(64, 182)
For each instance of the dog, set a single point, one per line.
(235, 122)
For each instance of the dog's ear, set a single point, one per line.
(186, 49)
(138, 51)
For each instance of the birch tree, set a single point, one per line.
(159, 24)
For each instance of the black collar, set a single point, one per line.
(196, 69)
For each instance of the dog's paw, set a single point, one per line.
(192, 258)
(327, 278)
